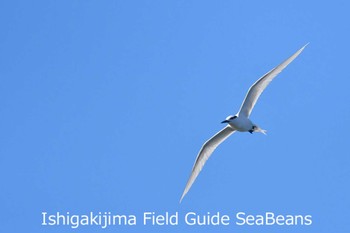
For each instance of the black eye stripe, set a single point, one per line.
(231, 118)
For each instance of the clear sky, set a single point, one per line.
(104, 106)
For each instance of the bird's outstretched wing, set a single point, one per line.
(205, 152)
(259, 86)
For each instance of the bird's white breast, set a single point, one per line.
(242, 124)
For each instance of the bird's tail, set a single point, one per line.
(260, 130)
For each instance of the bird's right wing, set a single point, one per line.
(205, 152)
(259, 86)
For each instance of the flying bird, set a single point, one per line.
(239, 122)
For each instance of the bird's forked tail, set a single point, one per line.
(260, 130)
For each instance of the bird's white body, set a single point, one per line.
(239, 122)
(242, 124)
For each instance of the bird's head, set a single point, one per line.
(229, 119)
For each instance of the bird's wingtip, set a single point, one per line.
(181, 198)
(305, 45)
(183, 195)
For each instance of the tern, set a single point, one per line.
(239, 122)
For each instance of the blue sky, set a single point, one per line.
(105, 105)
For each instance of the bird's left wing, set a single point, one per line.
(205, 152)
(259, 86)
